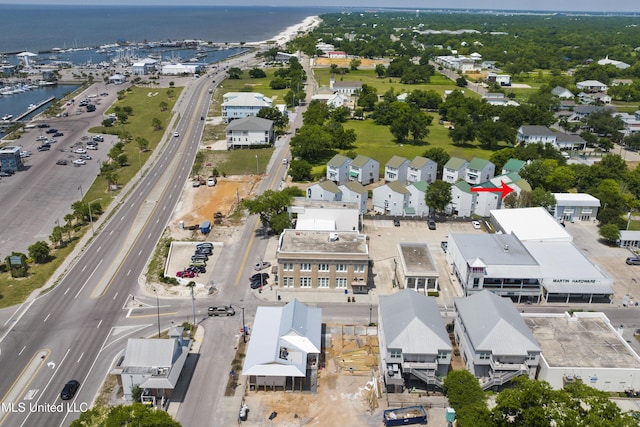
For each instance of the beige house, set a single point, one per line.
(331, 260)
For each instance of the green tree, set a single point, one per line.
(300, 170)
(39, 252)
(156, 124)
(461, 82)
(310, 142)
(234, 73)
(354, 64)
(272, 113)
(256, 73)
(137, 414)
(560, 180)
(610, 232)
(271, 205)
(537, 171)
(462, 389)
(164, 106)
(380, 70)
(56, 235)
(542, 197)
(143, 144)
(438, 195)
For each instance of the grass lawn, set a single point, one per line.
(237, 162)
(145, 108)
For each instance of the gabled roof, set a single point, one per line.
(294, 328)
(514, 165)
(493, 324)
(477, 164)
(250, 123)
(396, 162)
(420, 185)
(360, 161)
(329, 186)
(419, 162)
(463, 186)
(246, 99)
(338, 160)
(412, 322)
(397, 187)
(141, 352)
(455, 163)
(347, 84)
(355, 186)
(537, 131)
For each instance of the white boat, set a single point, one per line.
(7, 117)
(32, 106)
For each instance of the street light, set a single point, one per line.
(257, 169)
(158, 307)
(244, 328)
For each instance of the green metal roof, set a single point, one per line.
(421, 185)
(514, 165)
(464, 186)
(477, 164)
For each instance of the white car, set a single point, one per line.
(79, 162)
(475, 224)
(211, 182)
(92, 147)
(41, 138)
(80, 151)
(261, 265)
(176, 134)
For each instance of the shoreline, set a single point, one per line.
(291, 32)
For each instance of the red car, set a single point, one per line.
(186, 274)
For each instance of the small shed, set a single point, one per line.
(205, 227)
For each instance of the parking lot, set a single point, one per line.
(179, 259)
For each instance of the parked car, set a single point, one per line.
(205, 245)
(98, 138)
(51, 130)
(212, 181)
(197, 263)
(44, 147)
(476, 224)
(257, 284)
(79, 162)
(197, 269)
(62, 162)
(186, 273)
(259, 276)
(199, 256)
(85, 157)
(57, 134)
(91, 147)
(221, 310)
(396, 222)
(432, 224)
(261, 265)
(80, 151)
(633, 260)
(204, 252)
(25, 154)
(444, 245)
(41, 138)
(69, 390)
(5, 173)
(43, 125)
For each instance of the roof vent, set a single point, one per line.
(506, 248)
(333, 237)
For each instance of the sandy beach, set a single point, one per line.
(289, 33)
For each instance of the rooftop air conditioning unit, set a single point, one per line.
(333, 237)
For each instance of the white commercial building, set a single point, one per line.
(574, 207)
(584, 347)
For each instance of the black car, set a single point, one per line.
(51, 130)
(69, 390)
(199, 256)
(43, 125)
(197, 269)
(205, 251)
(5, 173)
(259, 276)
(396, 222)
(257, 284)
(44, 147)
(58, 134)
(62, 162)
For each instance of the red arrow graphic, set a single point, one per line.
(504, 189)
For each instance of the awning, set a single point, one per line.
(354, 174)
(577, 289)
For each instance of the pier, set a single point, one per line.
(4, 124)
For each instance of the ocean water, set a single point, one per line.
(41, 28)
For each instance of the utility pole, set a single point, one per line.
(193, 306)
(158, 307)
(244, 329)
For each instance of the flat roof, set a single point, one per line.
(586, 340)
(530, 224)
(309, 241)
(417, 259)
(493, 249)
(576, 199)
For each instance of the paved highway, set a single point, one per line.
(67, 333)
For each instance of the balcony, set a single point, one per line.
(497, 366)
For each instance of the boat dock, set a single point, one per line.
(4, 124)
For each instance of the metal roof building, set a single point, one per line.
(529, 224)
(285, 341)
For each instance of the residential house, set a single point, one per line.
(354, 192)
(591, 86)
(324, 190)
(501, 79)
(584, 111)
(462, 200)
(417, 204)
(323, 260)
(485, 202)
(396, 169)
(284, 57)
(601, 98)
(631, 122)
(153, 364)
(337, 54)
(338, 169)
(499, 99)
(348, 88)
(391, 199)
(495, 343)
(238, 105)
(574, 207)
(333, 100)
(454, 170)
(513, 165)
(248, 132)
(422, 169)
(562, 93)
(618, 64)
(415, 349)
(621, 82)
(544, 135)
(479, 170)
(285, 346)
(365, 170)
